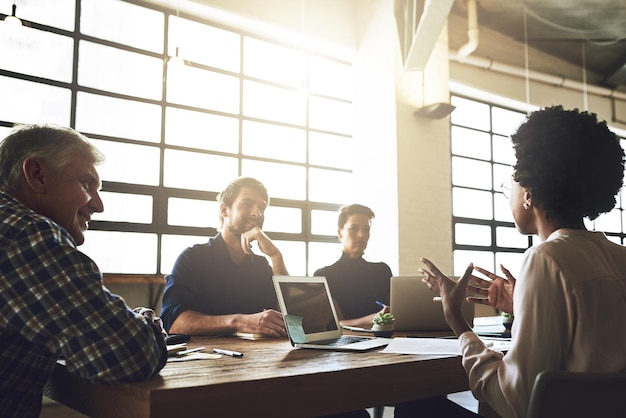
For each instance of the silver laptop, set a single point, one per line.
(414, 309)
(311, 319)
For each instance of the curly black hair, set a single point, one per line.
(571, 163)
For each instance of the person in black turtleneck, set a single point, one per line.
(355, 284)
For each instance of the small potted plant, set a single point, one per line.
(507, 320)
(383, 325)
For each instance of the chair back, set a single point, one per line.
(578, 395)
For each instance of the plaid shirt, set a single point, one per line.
(52, 305)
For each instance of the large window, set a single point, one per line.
(180, 106)
(482, 160)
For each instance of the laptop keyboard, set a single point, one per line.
(343, 340)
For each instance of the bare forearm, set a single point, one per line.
(195, 323)
(278, 264)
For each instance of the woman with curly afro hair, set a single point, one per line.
(569, 300)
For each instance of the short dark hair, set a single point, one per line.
(571, 163)
(229, 194)
(347, 210)
(54, 145)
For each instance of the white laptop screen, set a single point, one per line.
(311, 302)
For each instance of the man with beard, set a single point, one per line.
(221, 287)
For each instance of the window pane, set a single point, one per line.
(510, 237)
(125, 207)
(4, 132)
(471, 173)
(331, 115)
(330, 78)
(510, 261)
(501, 174)
(204, 89)
(273, 62)
(189, 170)
(219, 48)
(282, 180)
(201, 130)
(273, 103)
(134, 25)
(294, 255)
(38, 53)
(502, 208)
(123, 165)
(470, 113)
(281, 219)
(609, 222)
(331, 186)
(470, 143)
(503, 151)
(119, 71)
(322, 254)
(122, 252)
(506, 122)
(58, 13)
(33, 102)
(471, 203)
(173, 245)
(124, 118)
(463, 258)
(324, 222)
(273, 141)
(192, 212)
(469, 234)
(332, 150)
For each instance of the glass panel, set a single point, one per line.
(332, 150)
(193, 212)
(133, 25)
(119, 71)
(503, 151)
(204, 89)
(273, 103)
(294, 256)
(471, 173)
(52, 104)
(38, 53)
(331, 186)
(510, 261)
(322, 254)
(331, 78)
(58, 13)
(282, 180)
(324, 222)
(273, 141)
(502, 208)
(123, 165)
(506, 122)
(273, 62)
(189, 170)
(122, 252)
(125, 207)
(124, 118)
(462, 258)
(219, 48)
(470, 113)
(331, 115)
(511, 238)
(470, 143)
(501, 174)
(609, 222)
(4, 132)
(470, 234)
(281, 219)
(173, 245)
(471, 203)
(614, 239)
(201, 130)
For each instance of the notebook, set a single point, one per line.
(311, 319)
(414, 309)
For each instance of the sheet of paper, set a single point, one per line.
(296, 332)
(436, 346)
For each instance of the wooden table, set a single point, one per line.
(272, 379)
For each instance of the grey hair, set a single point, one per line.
(55, 145)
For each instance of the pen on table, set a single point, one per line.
(191, 350)
(228, 352)
(379, 303)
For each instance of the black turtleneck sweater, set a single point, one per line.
(356, 285)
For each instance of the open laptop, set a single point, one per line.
(310, 316)
(413, 307)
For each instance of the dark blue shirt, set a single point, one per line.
(356, 285)
(205, 279)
